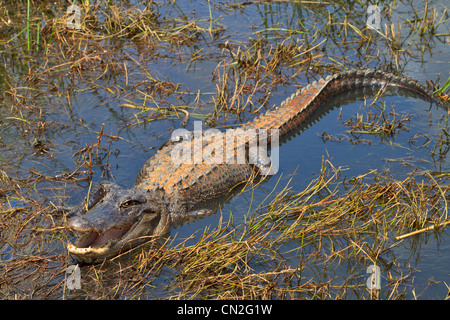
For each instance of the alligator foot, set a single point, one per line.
(201, 213)
(262, 161)
(191, 216)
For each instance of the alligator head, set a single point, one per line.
(116, 220)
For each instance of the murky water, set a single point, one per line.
(77, 104)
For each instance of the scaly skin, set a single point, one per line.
(166, 192)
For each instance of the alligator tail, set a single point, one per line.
(298, 108)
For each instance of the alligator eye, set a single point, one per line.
(130, 203)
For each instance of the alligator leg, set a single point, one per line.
(260, 158)
(200, 213)
(191, 216)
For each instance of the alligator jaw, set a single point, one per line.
(97, 243)
(93, 246)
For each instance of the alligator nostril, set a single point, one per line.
(79, 224)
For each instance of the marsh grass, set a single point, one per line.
(291, 247)
(381, 123)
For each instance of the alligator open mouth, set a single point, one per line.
(93, 246)
(93, 241)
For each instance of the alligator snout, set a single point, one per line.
(79, 224)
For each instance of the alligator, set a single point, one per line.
(112, 219)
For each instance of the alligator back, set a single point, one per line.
(187, 183)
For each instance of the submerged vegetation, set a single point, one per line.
(75, 98)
